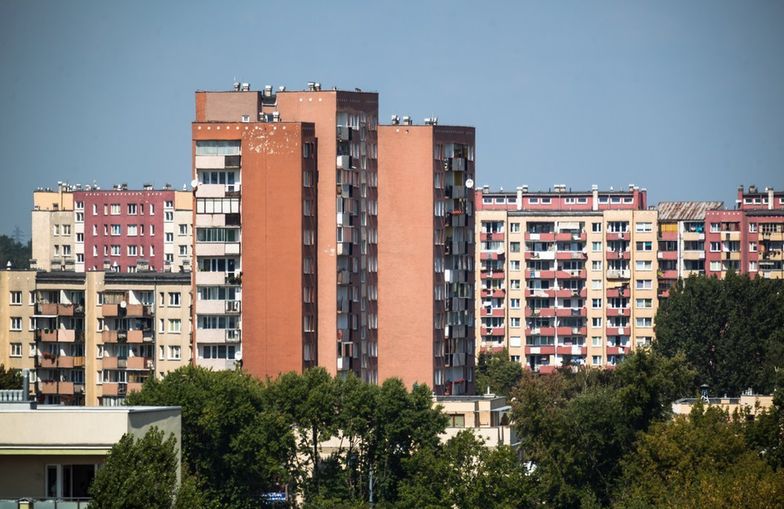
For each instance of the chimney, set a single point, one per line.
(595, 197)
(519, 202)
(770, 197)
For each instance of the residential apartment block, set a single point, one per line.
(315, 285)
(566, 277)
(681, 240)
(90, 338)
(749, 239)
(80, 229)
(426, 259)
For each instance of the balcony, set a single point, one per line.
(562, 293)
(571, 274)
(617, 331)
(540, 237)
(619, 312)
(110, 310)
(113, 336)
(488, 312)
(569, 236)
(571, 350)
(53, 387)
(137, 311)
(498, 293)
(618, 274)
(619, 236)
(140, 363)
(617, 350)
(344, 363)
(540, 274)
(540, 255)
(492, 255)
(54, 309)
(668, 274)
(667, 255)
(232, 307)
(540, 350)
(571, 255)
(620, 291)
(565, 331)
(493, 331)
(47, 335)
(668, 236)
(137, 336)
(497, 236)
(343, 162)
(618, 255)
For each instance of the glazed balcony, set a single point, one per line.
(51, 387)
(618, 255)
(619, 311)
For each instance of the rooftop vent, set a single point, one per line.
(431, 121)
(752, 188)
(407, 120)
(236, 86)
(245, 87)
(267, 90)
(281, 88)
(395, 120)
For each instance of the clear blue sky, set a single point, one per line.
(683, 98)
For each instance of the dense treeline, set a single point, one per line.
(731, 331)
(18, 254)
(588, 438)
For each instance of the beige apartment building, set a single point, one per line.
(90, 338)
(565, 278)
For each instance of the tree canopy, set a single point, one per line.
(731, 331)
(10, 378)
(14, 252)
(497, 372)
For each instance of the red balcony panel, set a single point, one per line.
(668, 255)
(618, 331)
(546, 370)
(540, 274)
(547, 331)
(489, 255)
(619, 312)
(668, 235)
(618, 255)
(540, 237)
(570, 255)
(499, 293)
(571, 350)
(668, 274)
(618, 292)
(564, 331)
(498, 312)
(619, 236)
(52, 387)
(540, 350)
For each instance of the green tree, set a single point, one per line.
(239, 447)
(700, 460)
(138, 474)
(731, 331)
(14, 252)
(575, 427)
(497, 372)
(10, 378)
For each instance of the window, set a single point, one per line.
(644, 321)
(183, 229)
(175, 325)
(79, 217)
(643, 227)
(16, 350)
(596, 340)
(175, 353)
(514, 227)
(596, 227)
(95, 209)
(217, 205)
(715, 266)
(645, 246)
(132, 209)
(174, 299)
(16, 298)
(514, 322)
(596, 303)
(152, 209)
(168, 257)
(715, 247)
(596, 265)
(116, 229)
(217, 351)
(643, 264)
(132, 230)
(66, 250)
(16, 323)
(514, 247)
(514, 265)
(133, 251)
(644, 284)
(596, 284)
(168, 204)
(644, 303)
(514, 284)
(752, 266)
(80, 238)
(514, 303)
(168, 216)
(115, 250)
(752, 227)
(169, 237)
(596, 321)
(161, 352)
(596, 360)
(66, 229)
(714, 227)
(115, 209)
(596, 246)
(183, 250)
(32, 350)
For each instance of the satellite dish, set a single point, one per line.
(123, 304)
(238, 355)
(195, 183)
(469, 183)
